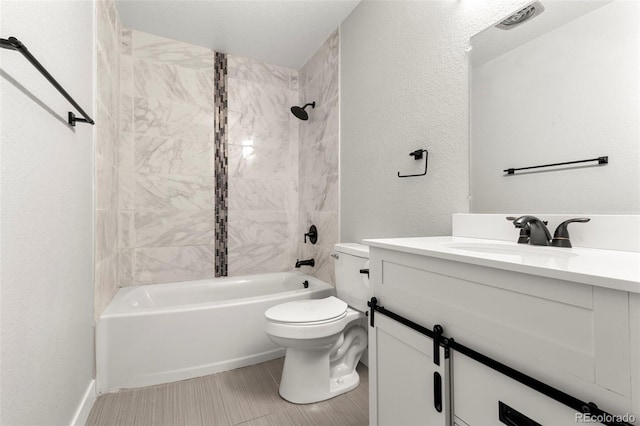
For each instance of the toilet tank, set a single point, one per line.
(352, 286)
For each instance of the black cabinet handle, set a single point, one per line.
(437, 392)
(365, 271)
(511, 417)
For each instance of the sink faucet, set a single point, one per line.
(539, 235)
(308, 262)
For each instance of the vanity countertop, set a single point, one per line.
(613, 269)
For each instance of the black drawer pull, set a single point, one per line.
(365, 271)
(511, 417)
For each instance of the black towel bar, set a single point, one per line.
(600, 160)
(14, 44)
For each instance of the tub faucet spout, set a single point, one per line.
(308, 262)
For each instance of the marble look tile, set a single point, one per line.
(169, 51)
(126, 114)
(106, 283)
(126, 75)
(171, 228)
(259, 130)
(167, 264)
(293, 85)
(262, 194)
(126, 229)
(326, 56)
(105, 85)
(125, 152)
(173, 83)
(173, 192)
(323, 123)
(125, 267)
(321, 194)
(250, 227)
(323, 87)
(174, 156)
(106, 135)
(126, 41)
(258, 163)
(260, 258)
(106, 31)
(106, 185)
(325, 268)
(258, 100)
(320, 159)
(106, 232)
(161, 118)
(258, 72)
(126, 190)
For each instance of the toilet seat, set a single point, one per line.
(313, 311)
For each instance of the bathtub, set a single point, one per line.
(162, 333)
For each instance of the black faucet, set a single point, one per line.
(534, 231)
(308, 262)
(538, 233)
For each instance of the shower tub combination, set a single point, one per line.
(162, 333)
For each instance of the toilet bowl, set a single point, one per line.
(322, 337)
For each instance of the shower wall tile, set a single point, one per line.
(259, 131)
(106, 282)
(126, 75)
(106, 136)
(106, 184)
(327, 221)
(172, 52)
(173, 83)
(153, 117)
(126, 113)
(258, 72)
(327, 56)
(126, 229)
(256, 258)
(167, 228)
(320, 159)
(320, 194)
(126, 267)
(173, 192)
(322, 88)
(262, 194)
(322, 124)
(267, 101)
(258, 163)
(173, 156)
(294, 80)
(167, 264)
(126, 41)
(106, 234)
(126, 190)
(104, 86)
(126, 152)
(263, 227)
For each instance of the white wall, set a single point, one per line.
(404, 86)
(571, 94)
(47, 219)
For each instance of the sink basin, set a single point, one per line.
(511, 249)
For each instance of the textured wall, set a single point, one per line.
(564, 96)
(106, 156)
(404, 86)
(319, 148)
(47, 214)
(166, 182)
(263, 166)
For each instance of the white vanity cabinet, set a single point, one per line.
(580, 338)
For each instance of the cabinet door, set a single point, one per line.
(404, 388)
(486, 397)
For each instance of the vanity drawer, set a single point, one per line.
(481, 394)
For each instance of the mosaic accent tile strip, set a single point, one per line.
(221, 165)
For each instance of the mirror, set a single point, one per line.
(561, 86)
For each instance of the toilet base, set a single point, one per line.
(312, 375)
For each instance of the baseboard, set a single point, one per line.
(84, 408)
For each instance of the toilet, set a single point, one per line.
(324, 338)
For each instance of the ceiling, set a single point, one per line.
(284, 33)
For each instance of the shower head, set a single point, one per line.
(521, 16)
(300, 112)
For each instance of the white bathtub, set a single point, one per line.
(162, 333)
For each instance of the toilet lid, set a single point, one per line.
(313, 310)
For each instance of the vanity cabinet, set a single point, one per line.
(581, 339)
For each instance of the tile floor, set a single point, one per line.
(247, 396)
